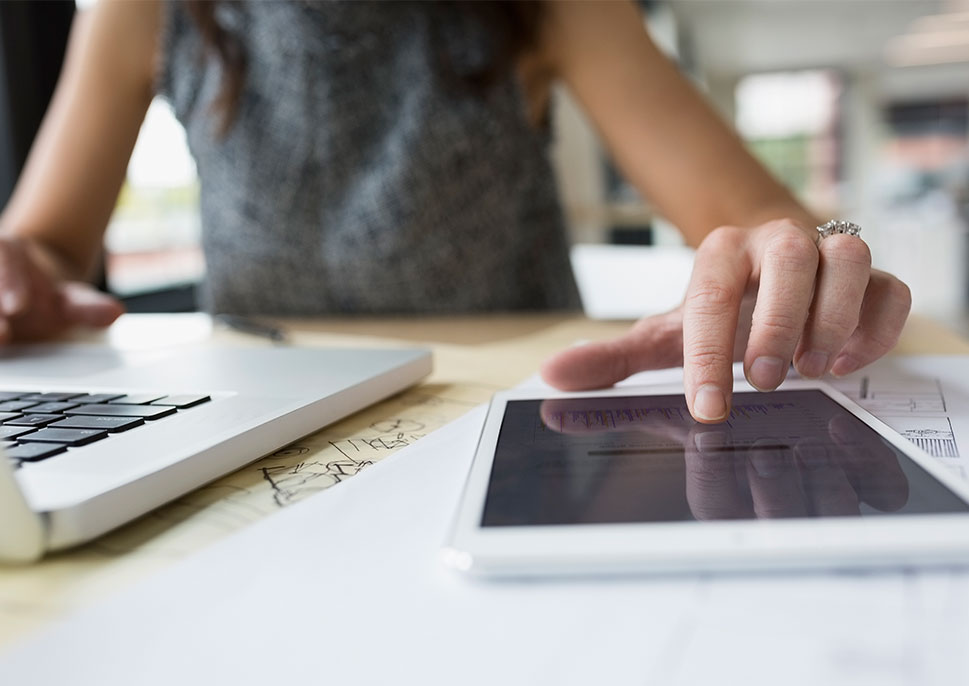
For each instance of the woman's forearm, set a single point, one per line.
(70, 183)
(660, 130)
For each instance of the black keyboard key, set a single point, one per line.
(17, 405)
(92, 398)
(8, 432)
(34, 420)
(138, 398)
(52, 397)
(50, 408)
(182, 401)
(65, 436)
(112, 424)
(32, 452)
(146, 411)
(12, 395)
(7, 416)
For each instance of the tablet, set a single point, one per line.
(625, 481)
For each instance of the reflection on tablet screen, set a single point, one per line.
(644, 459)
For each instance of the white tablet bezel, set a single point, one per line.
(838, 542)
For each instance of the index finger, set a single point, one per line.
(710, 316)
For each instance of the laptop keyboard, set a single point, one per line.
(35, 426)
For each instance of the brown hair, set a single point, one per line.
(511, 26)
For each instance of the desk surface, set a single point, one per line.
(474, 356)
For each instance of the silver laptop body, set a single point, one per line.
(260, 400)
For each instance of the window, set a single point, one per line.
(153, 240)
(791, 123)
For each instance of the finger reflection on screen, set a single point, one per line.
(714, 489)
(775, 481)
(871, 465)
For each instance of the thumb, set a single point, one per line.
(87, 306)
(654, 342)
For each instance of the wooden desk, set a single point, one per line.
(474, 356)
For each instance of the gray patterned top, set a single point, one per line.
(353, 180)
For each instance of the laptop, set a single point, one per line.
(93, 437)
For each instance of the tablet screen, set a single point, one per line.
(644, 459)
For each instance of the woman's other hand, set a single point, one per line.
(821, 307)
(52, 229)
(35, 306)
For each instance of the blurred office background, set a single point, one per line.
(860, 106)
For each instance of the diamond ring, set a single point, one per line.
(837, 226)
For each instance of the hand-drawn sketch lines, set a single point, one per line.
(298, 470)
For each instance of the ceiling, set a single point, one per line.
(727, 38)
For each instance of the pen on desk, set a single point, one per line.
(249, 326)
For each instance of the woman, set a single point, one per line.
(359, 157)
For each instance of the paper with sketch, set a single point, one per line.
(31, 596)
(923, 397)
(348, 589)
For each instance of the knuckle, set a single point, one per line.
(712, 297)
(847, 250)
(707, 360)
(878, 340)
(840, 321)
(722, 238)
(877, 343)
(791, 252)
(778, 322)
(787, 224)
(792, 244)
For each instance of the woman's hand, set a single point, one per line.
(52, 228)
(821, 306)
(34, 306)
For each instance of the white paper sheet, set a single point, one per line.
(923, 397)
(347, 588)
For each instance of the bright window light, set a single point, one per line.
(785, 104)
